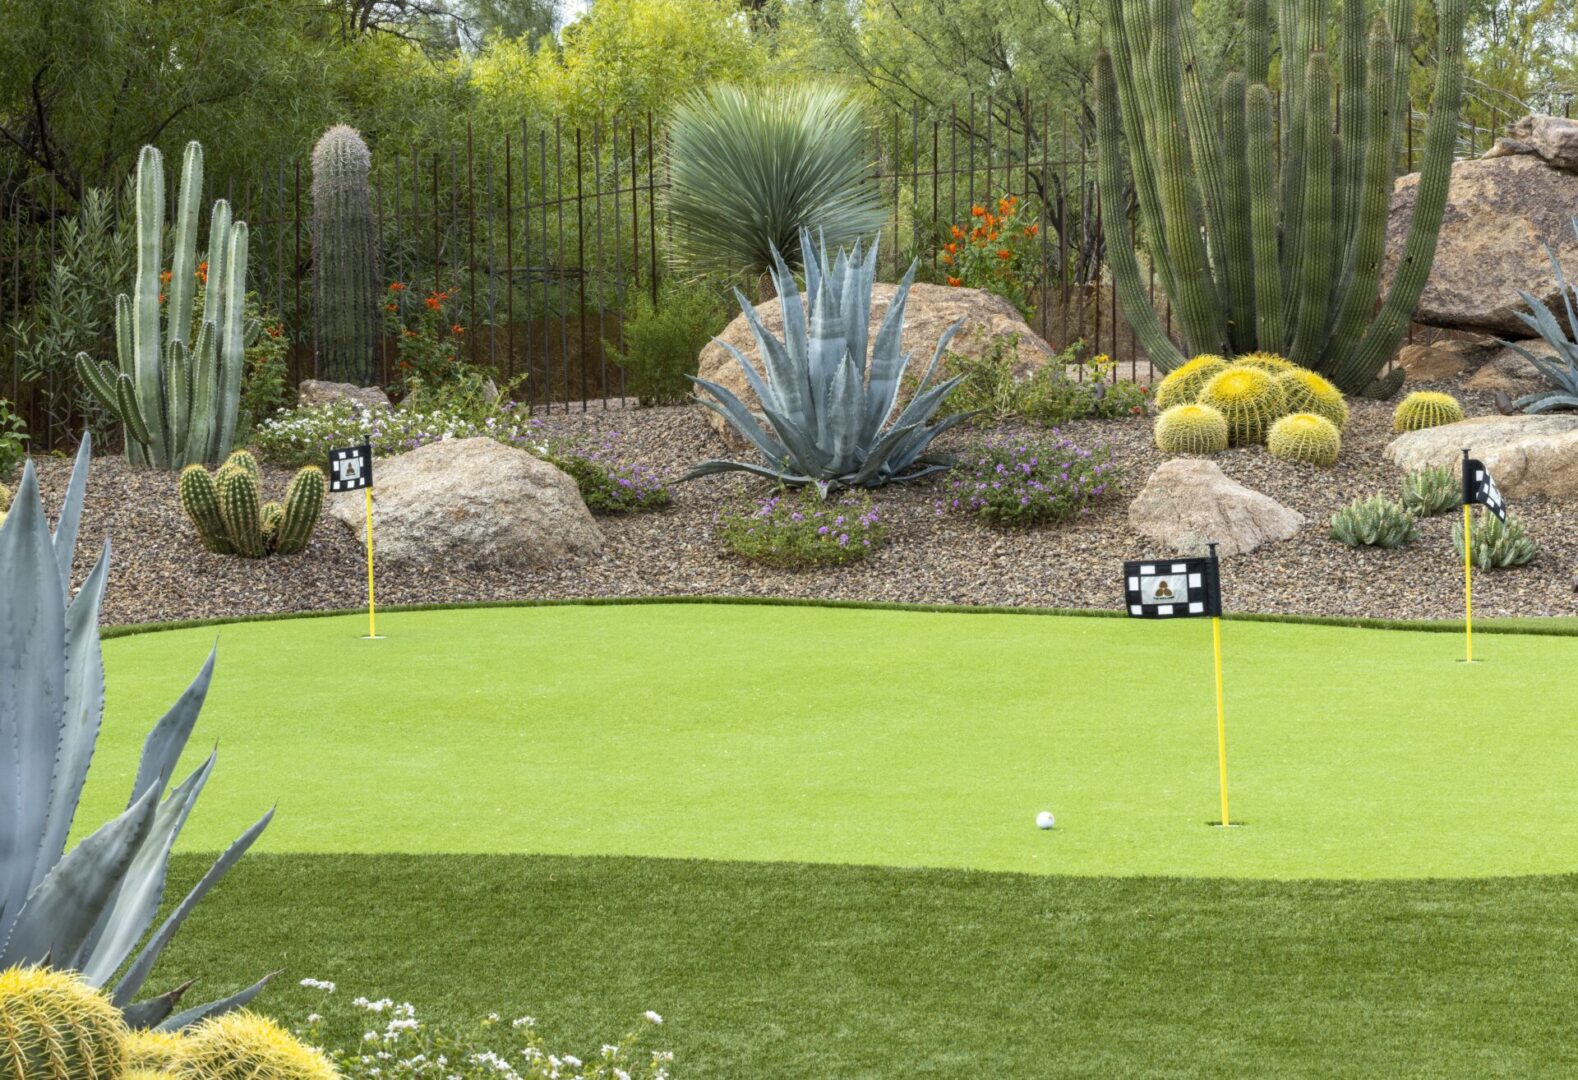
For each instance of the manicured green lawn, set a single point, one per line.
(871, 737)
(792, 971)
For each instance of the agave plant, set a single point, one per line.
(825, 406)
(751, 168)
(86, 909)
(1561, 371)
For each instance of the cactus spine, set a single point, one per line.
(244, 1046)
(1182, 385)
(54, 1026)
(1305, 437)
(1252, 256)
(346, 289)
(225, 509)
(177, 394)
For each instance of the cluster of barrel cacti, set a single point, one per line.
(177, 394)
(1265, 215)
(1210, 403)
(54, 1026)
(1426, 409)
(230, 518)
(347, 293)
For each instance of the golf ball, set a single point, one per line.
(1045, 820)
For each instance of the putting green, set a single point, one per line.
(865, 736)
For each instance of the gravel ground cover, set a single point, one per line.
(161, 573)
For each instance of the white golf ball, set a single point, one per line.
(1045, 820)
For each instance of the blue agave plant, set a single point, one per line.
(826, 407)
(1561, 371)
(89, 909)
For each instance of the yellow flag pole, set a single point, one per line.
(1468, 581)
(1221, 714)
(372, 619)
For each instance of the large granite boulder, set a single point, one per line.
(319, 392)
(1189, 502)
(1528, 455)
(931, 310)
(1510, 372)
(1442, 359)
(473, 504)
(1498, 210)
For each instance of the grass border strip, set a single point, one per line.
(1562, 626)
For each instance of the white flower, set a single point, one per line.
(523, 1022)
(314, 1018)
(318, 984)
(653, 1017)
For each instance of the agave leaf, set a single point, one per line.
(846, 409)
(923, 405)
(165, 743)
(888, 362)
(65, 538)
(856, 304)
(739, 417)
(142, 967)
(802, 448)
(915, 446)
(1553, 401)
(753, 378)
(721, 465)
(791, 392)
(794, 314)
(877, 457)
(84, 709)
(199, 1013)
(826, 346)
(149, 1013)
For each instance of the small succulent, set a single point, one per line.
(229, 518)
(1191, 429)
(1249, 398)
(1432, 490)
(1561, 371)
(1305, 437)
(1183, 384)
(1496, 543)
(1426, 409)
(1376, 522)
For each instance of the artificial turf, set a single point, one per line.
(787, 970)
(869, 737)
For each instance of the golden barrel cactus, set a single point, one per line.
(1270, 363)
(1305, 437)
(1308, 392)
(1249, 398)
(1191, 429)
(54, 1026)
(1426, 409)
(245, 1046)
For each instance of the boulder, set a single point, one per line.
(473, 504)
(1438, 361)
(1528, 455)
(931, 310)
(1554, 139)
(1189, 502)
(1498, 210)
(1510, 372)
(318, 392)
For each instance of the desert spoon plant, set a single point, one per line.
(88, 909)
(824, 403)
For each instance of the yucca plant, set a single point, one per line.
(751, 168)
(87, 909)
(825, 406)
(1561, 371)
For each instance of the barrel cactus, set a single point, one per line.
(1191, 429)
(1182, 385)
(1249, 398)
(54, 1026)
(1270, 363)
(1497, 544)
(1305, 437)
(244, 1046)
(155, 1051)
(346, 286)
(1308, 392)
(1375, 522)
(230, 519)
(178, 395)
(1426, 409)
(1265, 216)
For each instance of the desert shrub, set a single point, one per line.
(800, 529)
(1377, 522)
(610, 483)
(662, 342)
(1432, 490)
(1019, 482)
(264, 388)
(1047, 396)
(304, 436)
(1497, 544)
(997, 250)
(13, 439)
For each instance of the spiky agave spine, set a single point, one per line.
(1305, 437)
(241, 510)
(1250, 400)
(53, 1026)
(1181, 386)
(1308, 392)
(1303, 277)
(303, 504)
(1426, 409)
(200, 500)
(346, 289)
(1191, 429)
(244, 1046)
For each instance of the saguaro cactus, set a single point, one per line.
(177, 397)
(346, 289)
(1254, 254)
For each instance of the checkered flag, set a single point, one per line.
(1478, 487)
(351, 469)
(1173, 589)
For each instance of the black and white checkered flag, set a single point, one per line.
(351, 469)
(1478, 487)
(1173, 588)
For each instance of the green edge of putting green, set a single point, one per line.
(880, 737)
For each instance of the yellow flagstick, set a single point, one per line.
(372, 618)
(1468, 580)
(1221, 714)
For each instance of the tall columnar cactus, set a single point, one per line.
(1253, 253)
(177, 394)
(231, 519)
(346, 290)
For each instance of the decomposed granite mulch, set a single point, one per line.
(160, 572)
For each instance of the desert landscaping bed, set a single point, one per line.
(160, 573)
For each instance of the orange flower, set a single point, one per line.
(398, 286)
(1032, 230)
(978, 211)
(275, 331)
(434, 302)
(955, 281)
(391, 307)
(1004, 254)
(951, 249)
(161, 298)
(410, 333)
(947, 260)
(457, 329)
(166, 276)
(203, 266)
(958, 233)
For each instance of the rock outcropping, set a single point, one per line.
(1189, 502)
(1528, 455)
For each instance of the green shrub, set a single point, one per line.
(1017, 482)
(609, 483)
(800, 529)
(1497, 544)
(990, 388)
(1432, 490)
(663, 342)
(1377, 522)
(13, 436)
